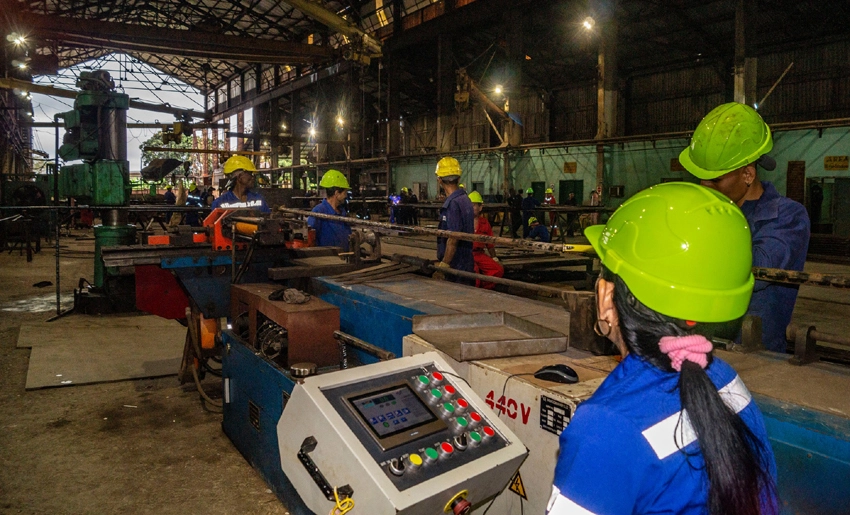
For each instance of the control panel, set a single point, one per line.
(415, 423)
(404, 436)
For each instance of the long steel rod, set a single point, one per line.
(383, 355)
(777, 275)
(496, 240)
(56, 220)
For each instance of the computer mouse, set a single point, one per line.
(557, 374)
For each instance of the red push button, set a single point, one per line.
(446, 448)
(475, 417)
(437, 376)
(488, 431)
(462, 404)
(450, 390)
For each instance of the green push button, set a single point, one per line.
(475, 436)
(462, 422)
(448, 407)
(436, 393)
(423, 380)
(431, 453)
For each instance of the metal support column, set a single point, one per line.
(446, 85)
(745, 66)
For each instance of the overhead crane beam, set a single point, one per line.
(336, 22)
(8, 83)
(161, 40)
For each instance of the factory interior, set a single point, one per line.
(347, 256)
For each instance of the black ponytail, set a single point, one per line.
(735, 461)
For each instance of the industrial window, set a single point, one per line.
(267, 78)
(211, 101)
(221, 95)
(236, 88)
(250, 80)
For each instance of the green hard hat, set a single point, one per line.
(475, 197)
(730, 136)
(684, 251)
(530, 190)
(334, 179)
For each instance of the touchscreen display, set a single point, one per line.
(392, 410)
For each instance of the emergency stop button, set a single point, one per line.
(446, 449)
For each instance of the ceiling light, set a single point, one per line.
(312, 131)
(498, 90)
(588, 23)
(340, 121)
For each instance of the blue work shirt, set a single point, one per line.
(529, 204)
(622, 451)
(329, 233)
(780, 228)
(539, 233)
(229, 200)
(457, 215)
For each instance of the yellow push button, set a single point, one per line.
(415, 460)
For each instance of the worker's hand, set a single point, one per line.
(440, 276)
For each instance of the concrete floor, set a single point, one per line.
(81, 449)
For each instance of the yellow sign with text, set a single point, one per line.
(836, 163)
(570, 167)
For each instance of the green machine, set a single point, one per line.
(96, 134)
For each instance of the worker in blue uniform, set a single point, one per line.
(725, 151)
(529, 204)
(458, 215)
(193, 199)
(240, 170)
(170, 200)
(330, 233)
(672, 429)
(538, 231)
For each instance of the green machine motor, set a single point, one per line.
(96, 134)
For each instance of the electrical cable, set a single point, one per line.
(504, 388)
(343, 506)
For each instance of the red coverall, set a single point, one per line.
(550, 201)
(484, 264)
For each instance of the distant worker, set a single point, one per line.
(170, 200)
(456, 215)
(529, 204)
(571, 217)
(240, 170)
(210, 197)
(538, 231)
(330, 233)
(725, 150)
(549, 200)
(193, 199)
(515, 208)
(462, 187)
(484, 254)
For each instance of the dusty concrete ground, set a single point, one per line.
(79, 450)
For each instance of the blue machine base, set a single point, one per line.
(258, 393)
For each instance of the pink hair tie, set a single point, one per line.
(694, 348)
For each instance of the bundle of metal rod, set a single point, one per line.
(777, 275)
(427, 266)
(496, 240)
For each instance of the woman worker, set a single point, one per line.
(672, 429)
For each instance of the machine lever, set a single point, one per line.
(308, 446)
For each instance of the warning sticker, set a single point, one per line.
(516, 486)
(554, 415)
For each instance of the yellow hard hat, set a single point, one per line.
(533, 220)
(447, 167)
(239, 163)
(193, 187)
(334, 179)
(404, 190)
(462, 186)
(475, 198)
(549, 190)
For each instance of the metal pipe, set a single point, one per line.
(357, 343)
(791, 335)
(524, 244)
(777, 275)
(425, 265)
(56, 204)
